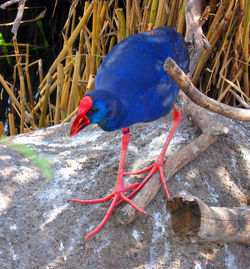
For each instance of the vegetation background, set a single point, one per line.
(51, 63)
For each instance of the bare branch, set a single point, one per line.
(18, 17)
(199, 98)
(194, 38)
(8, 3)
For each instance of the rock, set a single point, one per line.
(40, 229)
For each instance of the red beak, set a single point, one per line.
(81, 119)
(79, 123)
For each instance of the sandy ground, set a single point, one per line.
(40, 229)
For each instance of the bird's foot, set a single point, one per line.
(154, 168)
(118, 197)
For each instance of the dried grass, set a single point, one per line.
(222, 72)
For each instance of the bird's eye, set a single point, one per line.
(92, 110)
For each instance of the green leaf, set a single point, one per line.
(39, 161)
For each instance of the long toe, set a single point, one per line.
(102, 200)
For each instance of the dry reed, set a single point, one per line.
(222, 72)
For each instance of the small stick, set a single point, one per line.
(161, 14)
(239, 99)
(112, 43)
(22, 92)
(128, 16)
(94, 35)
(181, 20)
(193, 219)
(2, 132)
(28, 76)
(11, 124)
(91, 83)
(138, 12)
(122, 22)
(200, 99)
(70, 116)
(40, 70)
(65, 92)
(60, 78)
(73, 91)
(152, 15)
(171, 13)
(45, 103)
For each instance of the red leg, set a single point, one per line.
(157, 166)
(119, 190)
(118, 194)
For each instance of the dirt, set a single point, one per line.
(39, 228)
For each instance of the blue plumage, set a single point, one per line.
(131, 85)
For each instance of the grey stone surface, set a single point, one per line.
(40, 229)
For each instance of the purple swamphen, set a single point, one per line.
(131, 86)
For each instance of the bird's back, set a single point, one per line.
(133, 73)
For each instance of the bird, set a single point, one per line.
(131, 86)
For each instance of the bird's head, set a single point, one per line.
(89, 111)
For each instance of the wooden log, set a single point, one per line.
(193, 219)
